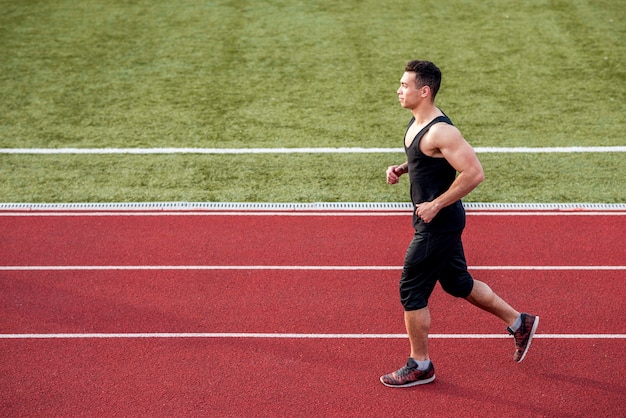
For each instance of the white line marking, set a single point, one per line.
(546, 213)
(220, 151)
(324, 214)
(549, 149)
(263, 267)
(321, 150)
(320, 214)
(299, 336)
(580, 268)
(73, 268)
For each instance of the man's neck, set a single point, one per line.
(425, 114)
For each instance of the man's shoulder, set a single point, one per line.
(443, 132)
(443, 137)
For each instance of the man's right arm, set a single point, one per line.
(395, 171)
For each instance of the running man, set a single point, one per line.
(436, 151)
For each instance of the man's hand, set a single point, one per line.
(394, 172)
(427, 211)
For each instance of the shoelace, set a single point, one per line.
(406, 370)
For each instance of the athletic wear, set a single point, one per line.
(409, 375)
(436, 251)
(431, 257)
(524, 335)
(431, 177)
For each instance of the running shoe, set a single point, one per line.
(524, 335)
(409, 375)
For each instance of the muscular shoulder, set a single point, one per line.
(440, 137)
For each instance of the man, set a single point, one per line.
(436, 151)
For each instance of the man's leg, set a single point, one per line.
(456, 281)
(521, 326)
(417, 326)
(419, 277)
(485, 298)
(418, 370)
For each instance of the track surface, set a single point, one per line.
(76, 288)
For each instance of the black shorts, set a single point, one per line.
(431, 257)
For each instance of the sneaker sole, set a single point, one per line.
(530, 338)
(407, 385)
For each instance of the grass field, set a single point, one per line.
(304, 74)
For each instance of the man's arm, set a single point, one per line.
(446, 141)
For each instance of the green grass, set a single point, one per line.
(275, 178)
(297, 73)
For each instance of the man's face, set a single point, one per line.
(408, 93)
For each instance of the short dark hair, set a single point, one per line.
(426, 74)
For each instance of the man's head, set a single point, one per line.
(426, 74)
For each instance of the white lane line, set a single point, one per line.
(278, 213)
(264, 267)
(310, 150)
(295, 336)
(218, 213)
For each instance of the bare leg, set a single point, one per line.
(417, 326)
(483, 297)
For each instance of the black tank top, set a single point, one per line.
(431, 177)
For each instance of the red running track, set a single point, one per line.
(245, 376)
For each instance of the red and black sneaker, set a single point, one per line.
(409, 375)
(524, 335)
